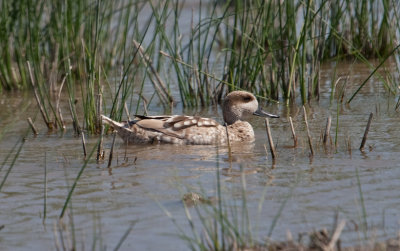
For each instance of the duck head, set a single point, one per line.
(240, 105)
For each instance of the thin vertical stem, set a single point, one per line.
(308, 132)
(35, 131)
(229, 144)
(84, 144)
(293, 132)
(41, 108)
(327, 130)
(100, 153)
(364, 139)
(270, 141)
(99, 110)
(112, 149)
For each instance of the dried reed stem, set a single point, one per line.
(145, 103)
(229, 143)
(35, 131)
(58, 109)
(41, 108)
(60, 233)
(56, 238)
(308, 132)
(112, 149)
(99, 110)
(349, 145)
(270, 141)
(293, 132)
(327, 133)
(84, 144)
(100, 152)
(159, 84)
(61, 119)
(127, 111)
(336, 235)
(364, 139)
(75, 122)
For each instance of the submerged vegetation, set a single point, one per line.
(95, 51)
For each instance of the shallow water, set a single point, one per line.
(146, 181)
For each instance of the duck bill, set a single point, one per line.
(260, 112)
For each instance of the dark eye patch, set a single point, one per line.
(247, 99)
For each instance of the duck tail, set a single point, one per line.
(123, 129)
(112, 123)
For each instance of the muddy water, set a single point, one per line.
(144, 179)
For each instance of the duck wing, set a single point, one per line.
(173, 125)
(174, 122)
(153, 117)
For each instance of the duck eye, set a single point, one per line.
(247, 99)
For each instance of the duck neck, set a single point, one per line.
(230, 118)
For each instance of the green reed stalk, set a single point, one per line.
(253, 46)
(292, 71)
(303, 42)
(373, 72)
(92, 70)
(161, 17)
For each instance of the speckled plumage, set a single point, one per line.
(181, 129)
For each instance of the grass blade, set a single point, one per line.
(373, 72)
(76, 180)
(123, 238)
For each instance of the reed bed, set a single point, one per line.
(93, 50)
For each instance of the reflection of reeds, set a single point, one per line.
(45, 188)
(363, 221)
(21, 143)
(65, 239)
(67, 200)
